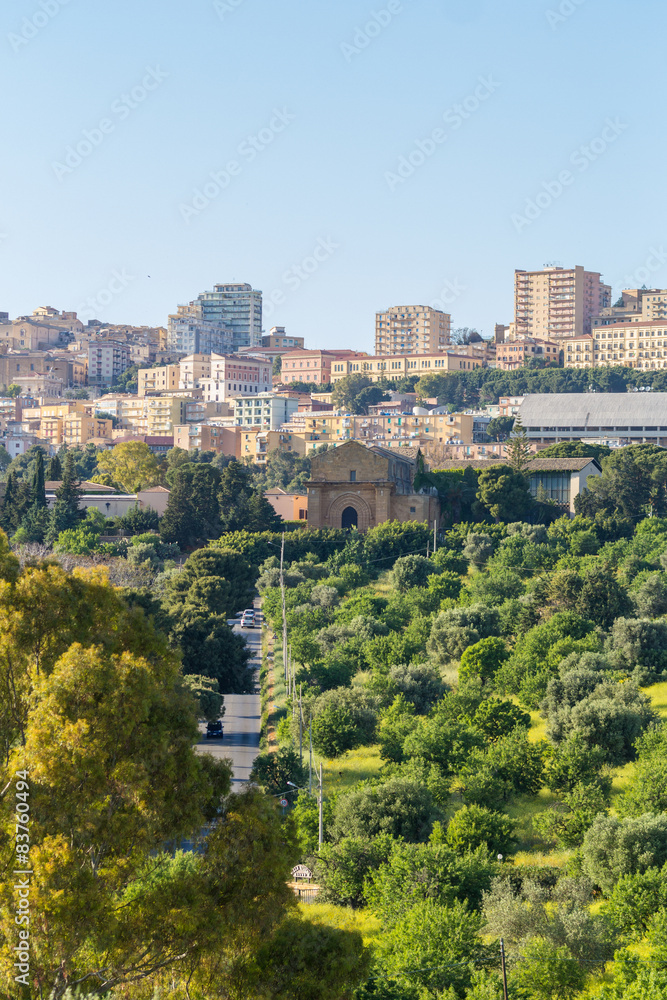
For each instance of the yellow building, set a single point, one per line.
(628, 343)
(162, 379)
(80, 429)
(395, 366)
(162, 412)
(412, 330)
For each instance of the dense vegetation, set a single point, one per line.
(507, 682)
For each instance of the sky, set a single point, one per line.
(343, 156)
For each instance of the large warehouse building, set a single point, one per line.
(626, 417)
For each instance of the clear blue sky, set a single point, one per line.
(350, 106)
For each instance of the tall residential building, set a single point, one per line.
(107, 360)
(557, 302)
(189, 332)
(412, 330)
(232, 312)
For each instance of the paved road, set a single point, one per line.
(242, 718)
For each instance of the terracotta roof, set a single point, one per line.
(55, 484)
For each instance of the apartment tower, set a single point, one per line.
(557, 302)
(412, 330)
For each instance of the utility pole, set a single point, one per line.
(502, 963)
(310, 760)
(321, 825)
(282, 594)
(435, 537)
(300, 727)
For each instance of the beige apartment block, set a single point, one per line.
(80, 429)
(164, 379)
(412, 330)
(510, 356)
(557, 302)
(207, 437)
(193, 368)
(163, 413)
(628, 343)
(28, 334)
(398, 366)
(639, 305)
(233, 374)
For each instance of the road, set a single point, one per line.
(240, 743)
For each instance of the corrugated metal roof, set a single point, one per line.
(536, 465)
(594, 409)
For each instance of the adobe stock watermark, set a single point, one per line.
(121, 109)
(449, 293)
(295, 276)
(38, 20)
(561, 14)
(582, 158)
(247, 151)
(224, 7)
(94, 304)
(364, 35)
(454, 117)
(656, 260)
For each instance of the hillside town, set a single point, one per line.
(212, 380)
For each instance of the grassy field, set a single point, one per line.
(344, 918)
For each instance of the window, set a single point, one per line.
(353, 475)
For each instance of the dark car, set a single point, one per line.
(214, 730)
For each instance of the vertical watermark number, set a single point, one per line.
(22, 872)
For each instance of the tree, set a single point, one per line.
(435, 945)
(639, 646)
(343, 868)
(400, 807)
(614, 847)
(66, 511)
(130, 464)
(54, 470)
(474, 826)
(307, 958)
(500, 428)
(276, 771)
(635, 901)
(576, 449)
(483, 659)
(210, 647)
(504, 493)
(107, 738)
(13, 390)
(519, 450)
(612, 717)
(355, 393)
(497, 718)
(205, 690)
(335, 731)
(456, 629)
(633, 483)
(651, 597)
(193, 512)
(478, 548)
(198, 584)
(547, 971)
(411, 571)
(646, 791)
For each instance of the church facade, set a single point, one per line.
(353, 486)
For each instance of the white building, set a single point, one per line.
(267, 410)
(232, 375)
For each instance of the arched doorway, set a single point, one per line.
(349, 518)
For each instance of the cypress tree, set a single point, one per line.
(8, 503)
(54, 470)
(66, 513)
(37, 488)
